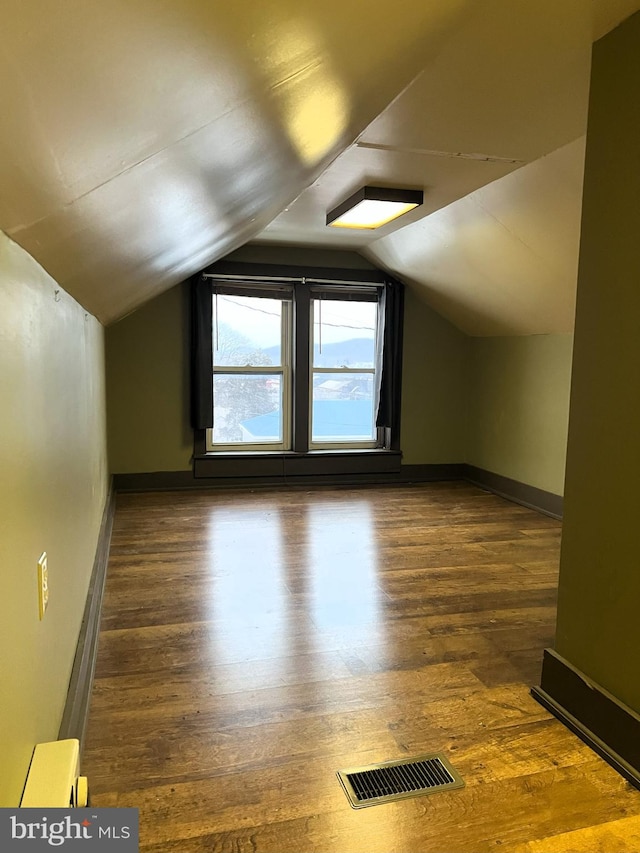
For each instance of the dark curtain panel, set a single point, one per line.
(201, 354)
(388, 415)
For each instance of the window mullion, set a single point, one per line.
(301, 369)
(286, 344)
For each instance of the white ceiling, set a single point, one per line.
(506, 89)
(504, 259)
(142, 140)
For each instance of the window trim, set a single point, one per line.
(284, 369)
(342, 293)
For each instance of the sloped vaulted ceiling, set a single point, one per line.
(143, 139)
(493, 132)
(504, 259)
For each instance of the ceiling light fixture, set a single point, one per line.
(372, 207)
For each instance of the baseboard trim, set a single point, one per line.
(154, 481)
(76, 710)
(513, 490)
(604, 723)
(432, 473)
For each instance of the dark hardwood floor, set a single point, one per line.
(254, 642)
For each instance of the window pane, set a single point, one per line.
(247, 409)
(342, 408)
(344, 333)
(247, 330)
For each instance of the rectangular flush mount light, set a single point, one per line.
(372, 207)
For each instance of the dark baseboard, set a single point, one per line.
(155, 481)
(610, 728)
(529, 496)
(432, 473)
(76, 710)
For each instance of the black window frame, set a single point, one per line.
(299, 460)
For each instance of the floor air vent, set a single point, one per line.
(397, 780)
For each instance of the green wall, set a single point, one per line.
(519, 407)
(599, 588)
(434, 386)
(53, 487)
(148, 387)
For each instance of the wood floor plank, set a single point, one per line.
(615, 836)
(254, 642)
(494, 816)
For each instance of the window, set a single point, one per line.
(251, 370)
(254, 360)
(294, 366)
(344, 369)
